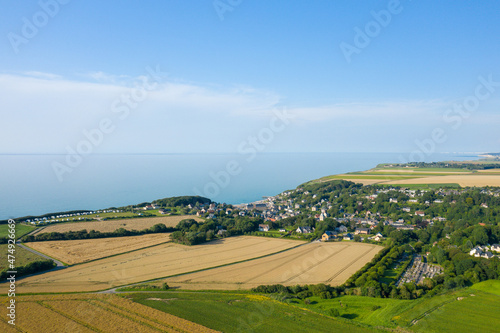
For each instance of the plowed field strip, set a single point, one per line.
(71, 318)
(163, 327)
(132, 317)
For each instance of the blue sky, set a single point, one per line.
(229, 66)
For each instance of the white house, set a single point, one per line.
(303, 230)
(348, 237)
(475, 250)
(495, 247)
(263, 227)
(487, 255)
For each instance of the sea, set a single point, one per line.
(40, 184)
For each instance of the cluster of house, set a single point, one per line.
(282, 206)
(212, 209)
(149, 207)
(341, 232)
(485, 251)
(331, 235)
(67, 217)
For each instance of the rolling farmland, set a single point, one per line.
(329, 263)
(406, 176)
(153, 263)
(91, 313)
(79, 251)
(462, 180)
(112, 225)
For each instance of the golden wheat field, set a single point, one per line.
(112, 225)
(90, 313)
(78, 251)
(462, 180)
(312, 263)
(152, 263)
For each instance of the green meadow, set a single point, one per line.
(477, 311)
(232, 312)
(473, 309)
(22, 256)
(21, 229)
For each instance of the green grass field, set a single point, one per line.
(443, 313)
(21, 229)
(23, 257)
(476, 312)
(231, 312)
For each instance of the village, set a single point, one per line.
(359, 225)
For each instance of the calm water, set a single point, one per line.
(29, 185)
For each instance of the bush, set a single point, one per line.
(376, 307)
(334, 312)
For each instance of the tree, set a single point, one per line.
(463, 265)
(371, 289)
(440, 255)
(479, 235)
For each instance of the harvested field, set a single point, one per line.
(417, 176)
(152, 263)
(313, 263)
(78, 251)
(462, 180)
(112, 225)
(90, 313)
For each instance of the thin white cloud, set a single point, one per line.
(42, 75)
(102, 77)
(378, 112)
(46, 113)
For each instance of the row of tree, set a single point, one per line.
(31, 268)
(84, 234)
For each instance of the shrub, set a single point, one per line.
(334, 312)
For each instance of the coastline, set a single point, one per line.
(287, 172)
